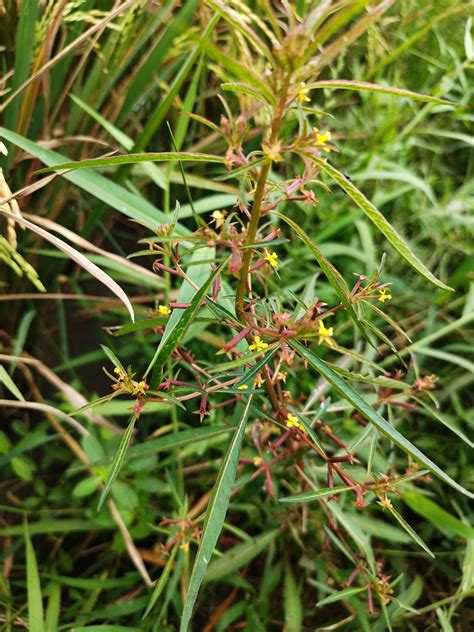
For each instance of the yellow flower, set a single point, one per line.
(325, 334)
(282, 375)
(384, 295)
(385, 503)
(164, 310)
(219, 218)
(257, 461)
(120, 373)
(259, 381)
(302, 95)
(292, 422)
(273, 152)
(242, 387)
(258, 344)
(322, 138)
(139, 388)
(272, 258)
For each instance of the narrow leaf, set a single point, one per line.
(364, 86)
(10, 384)
(380, 222)
(438, 516)
(338, 596)
(117, 462)
(353, 397)
(307, 497)
(215, 516)
(161, 583)
(35, 598)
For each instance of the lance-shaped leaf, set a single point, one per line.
(172, 338)
(35, 599)
(307, 497)
(381, 222)
(76, 256)
(365, 86)
(129, 159)
(332, 274)
(215, 516)
(352, 396)
(117, 462)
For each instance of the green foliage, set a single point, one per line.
(201, 326)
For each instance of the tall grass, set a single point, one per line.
(236, 308)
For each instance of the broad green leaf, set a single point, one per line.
(353, 397)
(438, 516)
(10, 384)
(130, 159)
(292, 602)
(215, 516)
(338, 596)
(161, 583)
(333, 276)
(380, 222)
(364, 86)
(118, 461)
(173, 337)
(33, 585)
(307, 497)
(240, 555)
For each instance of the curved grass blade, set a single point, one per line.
(380, 222)
(215, 516)
(338, 596)
(118, 461)
(438, 516)
(76, 256)
(333, 276)
(365, 86)
(7, 381)
(309, 496)
(35, 599)
(353, 397)
(411, 532)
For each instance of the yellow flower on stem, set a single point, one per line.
(271, 258)
(242, 387)
(282, 375)
(139, 388)
(302, 95)
(164, 310)
(292, 422)
(384, 295)
(120, 373)
(219, 218)
(322, 138)
(259, 381)
(325, 334)
(258, 344)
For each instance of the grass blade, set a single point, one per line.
(7, 381)
(380, 222)
(353, 397)
(307, 497)
(161, 583)
(215, 516)
(35, 598)
(79, 258)
(118, 461)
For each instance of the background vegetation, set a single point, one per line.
(85, 78)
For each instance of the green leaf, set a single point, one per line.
(54, 605)
(10, 384)
(35, 598)
(307, 497)
(110, 193)
(240, 555)
(364, 86)
(118, 461)
(438, 516)
(333, 276)
(353, 397)
(174, 334)
(247, 90)
(338, 596)
(292, 601)
(380, 222)
(161, 583)
(130, 159)
(215, 516)
(409, 529)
